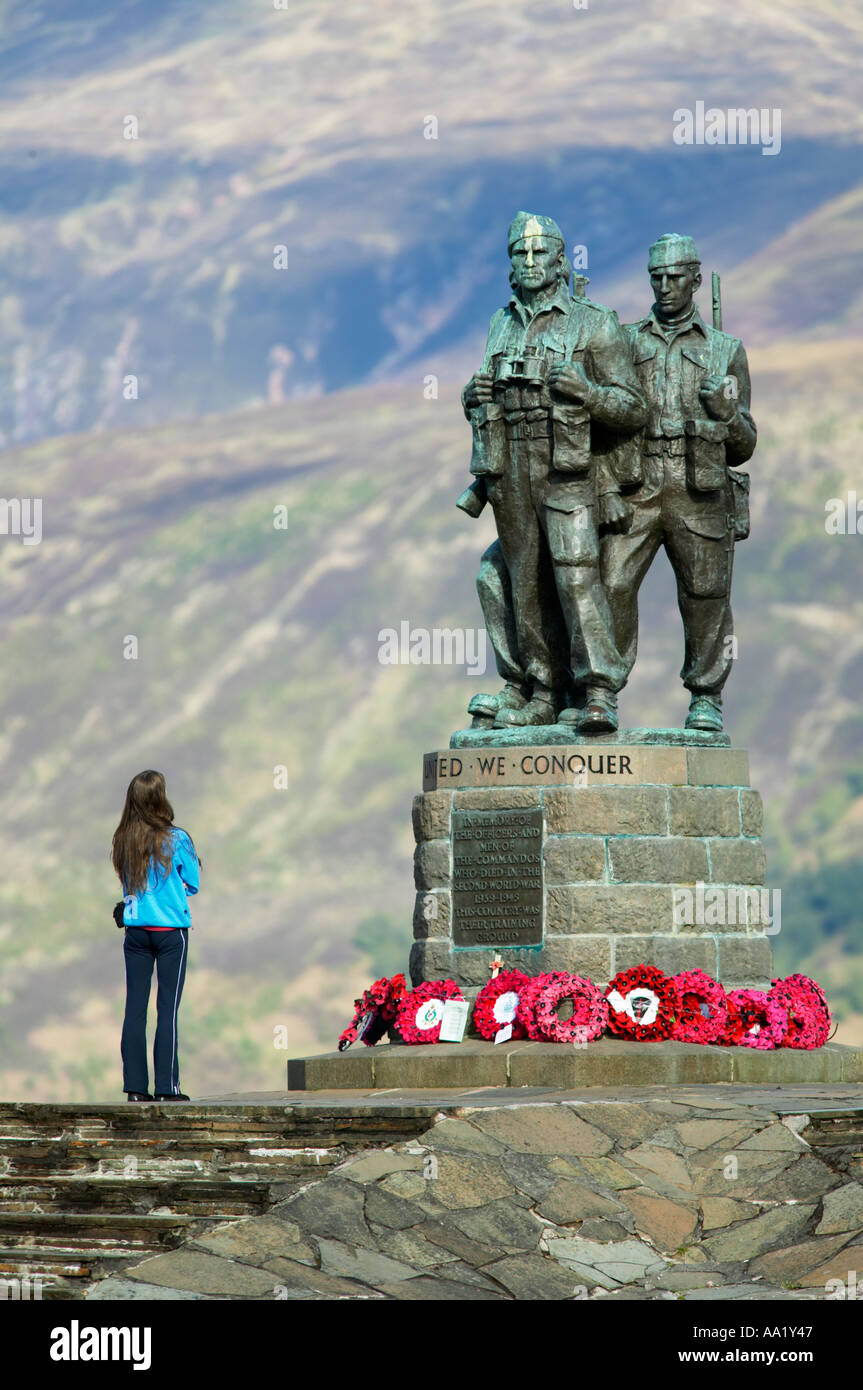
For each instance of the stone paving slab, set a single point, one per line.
(826, 1099)
(135, 1291)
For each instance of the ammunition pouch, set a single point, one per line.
(570, 427)
(624, 455)
(740, 503)
(488, 458)
(572, 537)
(705, 454)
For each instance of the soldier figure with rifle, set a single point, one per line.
(688, 496)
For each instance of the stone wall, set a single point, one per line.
(692, 1195)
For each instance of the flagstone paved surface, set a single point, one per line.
(692, 1193)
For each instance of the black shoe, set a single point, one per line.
(179, 1096)
(138, 1095)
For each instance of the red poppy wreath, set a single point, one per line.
(421, 1012)
(589, 1010)
(374, 1012)
(703, 1012)
(527, 1000)
(497, 1003)
(809, 1016)
(642, 1004)
(734, 1024)
(755, 1019)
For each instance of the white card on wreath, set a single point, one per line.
(503, 1034)
(453, 1020)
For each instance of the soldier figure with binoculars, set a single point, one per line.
(555, 391)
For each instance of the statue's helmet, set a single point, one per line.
(672, 249)
(532, 224)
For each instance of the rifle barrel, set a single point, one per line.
(717, 301)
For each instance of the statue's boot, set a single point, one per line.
(705, 712)
(599, 715)
(541, 708)
(577, 697)
(485, 708)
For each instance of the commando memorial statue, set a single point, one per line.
(547, 832)
(584, 888)
(596, 445)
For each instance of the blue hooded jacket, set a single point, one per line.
(163, 903)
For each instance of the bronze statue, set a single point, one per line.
(555, 387)
(688, 499)
(585, 449)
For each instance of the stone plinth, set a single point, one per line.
(590, 856)
(607, 1062)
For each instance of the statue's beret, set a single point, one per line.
(526, 224)
(672, 249)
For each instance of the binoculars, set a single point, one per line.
(521, 371)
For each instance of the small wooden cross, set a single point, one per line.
(495, 965)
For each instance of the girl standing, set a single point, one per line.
(158, 867)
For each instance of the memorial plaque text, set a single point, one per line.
(497, 878)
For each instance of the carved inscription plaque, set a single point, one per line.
(497, 878)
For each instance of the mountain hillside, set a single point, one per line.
(154, 156)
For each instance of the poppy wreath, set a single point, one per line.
(642, 1004)
(703, 1012)
(589, 1012)
(497, 1003)
(732, 1034)
(421, 1012)
(374, 1012)
(755, 1019)
(809, 1016)
(527, 1000)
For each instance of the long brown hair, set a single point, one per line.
(144, 832)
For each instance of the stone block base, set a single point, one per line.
(606, 1062)
(643, 851)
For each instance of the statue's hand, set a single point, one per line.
(719, 397)
(478, 390)
(570, 381)
(614, 513)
